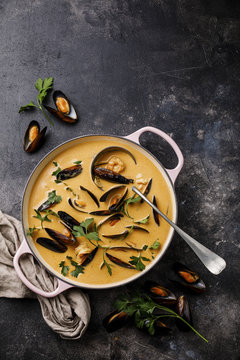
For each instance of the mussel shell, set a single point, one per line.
(31, 146)
(116, 236)
(115, 321)
(147, 190)
(60, 115)
(120, 201)
(160, 327)
(160, 294)
(119, 262)
(70, 117)
(101, 213)
(46, 205)
(183, 310)
(52, 245)
(69, 172)
(104, 197)
(90, 257)
(136, 227)
(155, 214)
(75, 206)
(61, 238)
(116, 216)
(111, 176)
(68, 220)
(188, 278)
(91, 195)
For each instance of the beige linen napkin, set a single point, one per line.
(67, 314)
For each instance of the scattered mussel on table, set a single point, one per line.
(52, 245)
(33, 137)
(115, 320)
(160, 294)
(183, 310)
(64, 108)
(186, 277)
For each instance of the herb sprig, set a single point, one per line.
(43, 86)
(44, 217)
(142, 307)
(137, 262)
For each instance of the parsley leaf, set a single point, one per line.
(64, 269)
(143, 221)
(155, 245)
(77, 162)
(41, 218)
(42, 86)
(108, 267)
(55, 163)
(31, 231)
(131, 200)
(53, 198)
(85, 224)
(137, 261)
(145, 247)
(79, 269)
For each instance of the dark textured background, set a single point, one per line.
(127, 64)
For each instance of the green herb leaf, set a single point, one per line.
(143, 221)
(131, 200)
(27, 107)
(39, 84)
(78, 231)
(155, 245)
(57, 181)
(56, 172)
(41, 218)
(77, 162)
(31, 231)
(53, 198)
(55, 163)
(93, 236)
(64, 269)
(51, 212)
(145, 247)
(108, 267)
(79, 269)
(137, 261)
(86, 223)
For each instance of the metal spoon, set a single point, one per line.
(214, 263)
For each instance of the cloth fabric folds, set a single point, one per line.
(67, 314)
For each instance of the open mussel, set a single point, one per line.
(74, 204)
(104, 197)
(183, 310)
(117, 201)
(136, 227)
(101, 212)
(68, 220)
(85, 253)
(52, 245)
(186, 277)
(111, 176)
(60, 237)
(64, 109)
(69, 172)
(33, 138)
(115, 321)
(147, 189)
(116, 236)
(90, 256)
(119, 262)
(160, 294)
(90, 194)
(159, 327)
(112, 219)
(155, 214)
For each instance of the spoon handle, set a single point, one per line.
(213, 262)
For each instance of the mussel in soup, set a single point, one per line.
(119, 262)
(60, 237)
(111, 176)
(85, 253)
(115, 320)
(188, 278)
(69, 172)
(68, 220)
(33, 138)
(52, 245)
(90, 194)
(64, 108)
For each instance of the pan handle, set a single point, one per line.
(173, 173)
(24, 249)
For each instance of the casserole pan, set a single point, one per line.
(28, 245)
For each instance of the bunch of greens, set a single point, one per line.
(143, 309)
(79, 269)
(42, 86)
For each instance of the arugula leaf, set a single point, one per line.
(43, 86)
(155, 245)
(27, 107)
(137, 261)
(41, 218)
(53, 198)
(77, 162)
(64, 269)
(31, 231)
(143, 221)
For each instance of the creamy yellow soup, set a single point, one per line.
(96, 272)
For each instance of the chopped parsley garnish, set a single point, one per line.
(143, 221)
(137, 262)
(155, 245)
(41, 218)
(31, 231)
(53, 198)
(77, 162)
(64, 267)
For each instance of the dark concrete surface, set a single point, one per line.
(127, 64)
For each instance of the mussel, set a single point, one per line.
(52, 245)
(119, 262)
(112, 219)
(64, 109)
(33, 137)
(68, 220)
(183, 310)
(73, 203)
(111, 176)
(90, 257)
(160, 294)
(118, 201)
(63, 239)
(69, 172)
(90, 194)
(136, 227)
(186, 277)
(155, 214)
(147, 190)
(159, 328)
(117, 236)
(101, 212)
(85, 254)
(104, 197)
(115, 321)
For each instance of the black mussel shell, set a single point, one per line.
(31, 145)
(52, 245)
(160, 294)
(61, 238)
(136, 227)
(46, 205)
(104, 197)
(155, 214)
(119, 262)
(69, 115)
(74, 205)
(147, 190)
(183, 310)
(118, 204)
(91, 195)
(68, 220)
(186, 277)
(116, 236)
(160, 328)
(113, 217)
(90, 257)
(70, 172)
(115, 321)
(111, 176)
(101, 212)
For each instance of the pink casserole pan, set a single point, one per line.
(28, 245)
